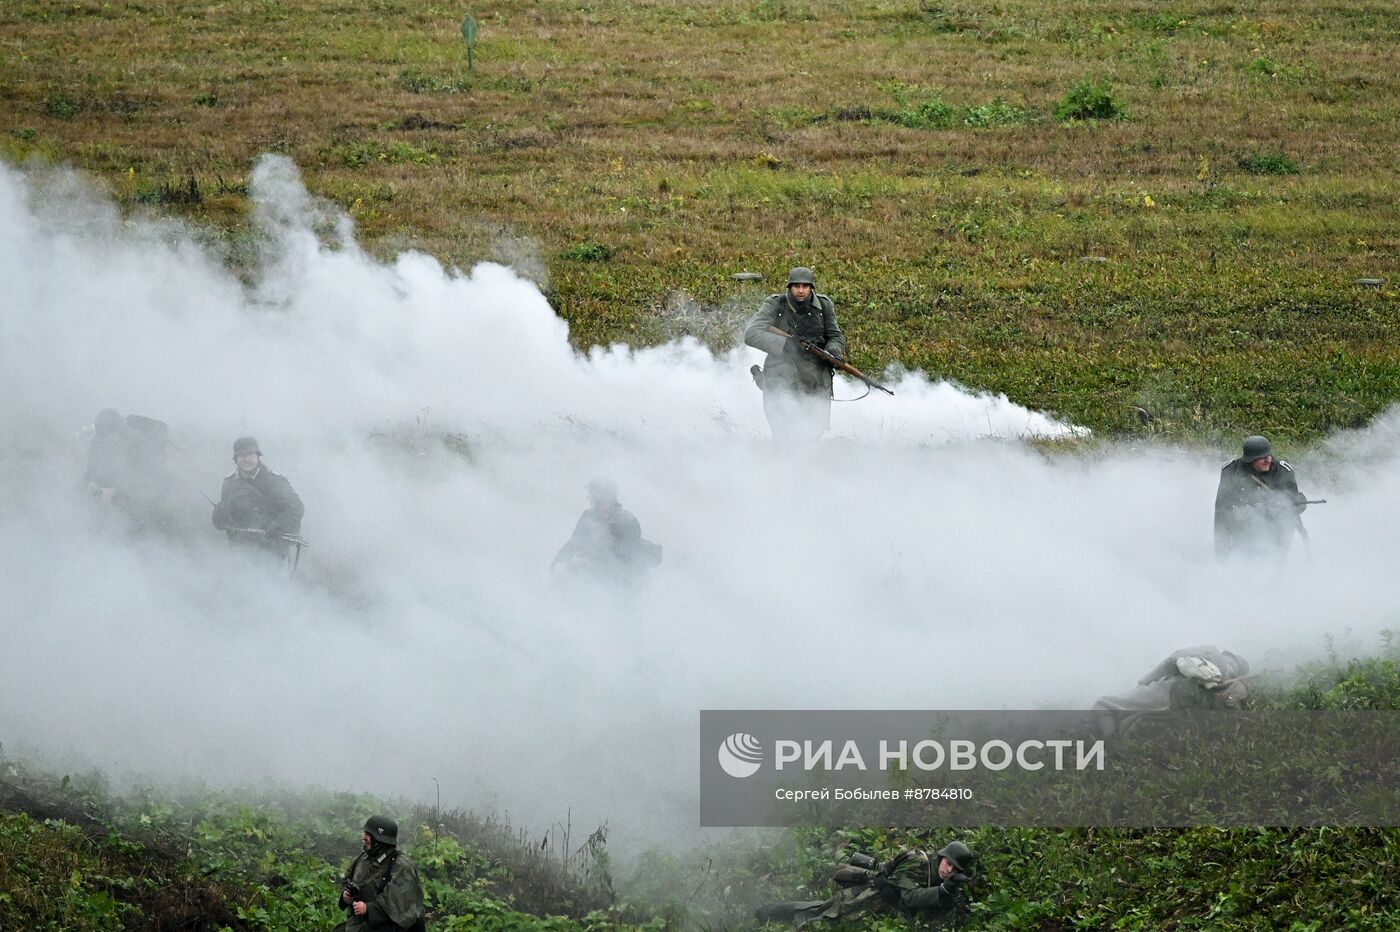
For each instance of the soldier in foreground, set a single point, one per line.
(380, 891)
(913, 881)
(1257, 506)
(796, 384)
(1192, 678)
(607, 543)
(257, 507)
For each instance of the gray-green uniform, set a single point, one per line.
(796, 384)
(1193, 678)
(256, 509)
(386, 881)
(909, 881)
(1257, 510)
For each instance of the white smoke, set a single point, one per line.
(440, 428)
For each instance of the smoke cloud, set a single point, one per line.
(440, 429)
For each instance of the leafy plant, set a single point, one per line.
(1089, 100)
(996, 113)
(589, 251)
(1268, 163)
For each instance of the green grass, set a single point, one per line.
(950, 164)
(75, 857)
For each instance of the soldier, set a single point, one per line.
(126, 468)
(1202, 677)
(912, 881)
(796, 385)
(380, 891)
(607, 542)
(1257, 505)
(257, 507)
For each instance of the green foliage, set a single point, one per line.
(589, 251)
(927, 113)
(1268, 163)
(996, 113)
(360, 154)
(259, 863)
(1262, 67)
(918, 110)
(419, 82)
(61, 105)
(52, 876)
(1089, 100)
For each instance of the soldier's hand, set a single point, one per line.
(959, 878)
(345, 895)
(359, 909)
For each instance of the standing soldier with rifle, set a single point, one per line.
(1257, 505)
(257, 507)
(796, 384)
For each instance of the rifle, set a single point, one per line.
(295, 540)
(832, 361)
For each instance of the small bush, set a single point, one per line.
(589, 251)
(62, 106)
(1089, 100)
(931, 114)
(996, 113)
(207, 99)
(1268, 163)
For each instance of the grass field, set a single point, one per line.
(1089, 206)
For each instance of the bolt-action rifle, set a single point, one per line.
(834, 362)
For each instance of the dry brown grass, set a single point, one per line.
(697, 138)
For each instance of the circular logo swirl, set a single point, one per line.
(741, 755)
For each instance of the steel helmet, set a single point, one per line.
(1256, 447)
(960, 854)
(801, 276)
(602, 489)
(246, 445)
(383, 829)
(108, 422)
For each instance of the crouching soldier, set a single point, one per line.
(607, 544)
(913, 882)
(380, 891)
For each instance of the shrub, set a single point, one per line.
(931, 114)
(1268, 163)
(589, 251)
(996, 113)
(1089, 100)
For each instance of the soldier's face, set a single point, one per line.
(800, 292)
(1263, 463)
(366, 841)
(945, 868)
(246, 462)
